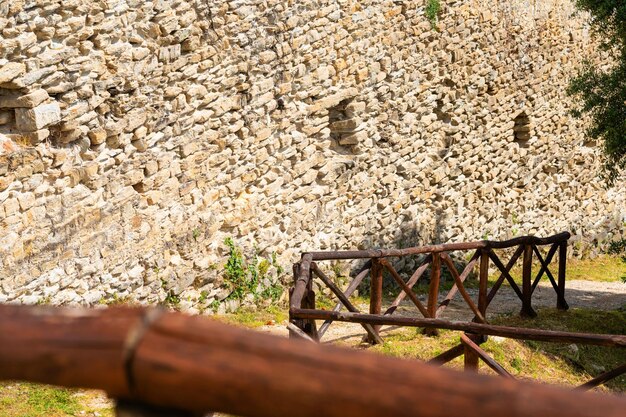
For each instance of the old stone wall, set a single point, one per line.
(137, 135)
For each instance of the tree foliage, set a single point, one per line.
(601, 90)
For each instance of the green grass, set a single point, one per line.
(582, 362)
(556, 363)
(257, 318)
(604, 268)
(33, 400)
(433, 8)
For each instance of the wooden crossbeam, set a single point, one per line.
(348, 292)
(410, 284)
(459, 284)
(344, 300)
(404, 287)
(505, 272)
(601, 379)
(484, 356)
(468, 269)
(293, 329)
(509, 265)
(448, 355)
(544, 267)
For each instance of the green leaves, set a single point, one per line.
(247, 276)
(602, 91)
(433, 8)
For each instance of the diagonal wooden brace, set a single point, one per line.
(405, 288)
(344, 300)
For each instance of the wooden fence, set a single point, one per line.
(303, 313)
(168, 364)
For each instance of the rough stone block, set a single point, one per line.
(37, 136)
(352, 139)
(11, 70)
(29, 120)
(29, 100)
(7, 146)
(97, 136)
(347, 125)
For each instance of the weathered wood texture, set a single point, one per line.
(478, 328)
(437, 256)
(478, 352)
(196, 364)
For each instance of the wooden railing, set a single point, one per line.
(302, 295)
(168, 364)
(303, 312)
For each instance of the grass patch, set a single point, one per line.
(577, 362)
(410, 343)
(33, 400)
(253, 319)
(555, 363)
(603, 268)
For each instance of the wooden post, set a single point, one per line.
(483, 288)
(310, 327)
(483, 283)
(470, 359)
(433, 292)
(527, 290)
(299, 323)
(561, 304)
(376, 292)
(308, 301)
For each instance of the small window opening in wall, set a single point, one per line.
(345, 124)
(521, 130)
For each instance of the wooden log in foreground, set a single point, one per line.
(195, 364)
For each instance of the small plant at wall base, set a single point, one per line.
(235, 273)
(171, 299)
(247, 277)
(433, 8)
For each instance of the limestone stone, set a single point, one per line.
(38, 117)
(29, 100)
(11, 70)
(97, 136)
(37, 136)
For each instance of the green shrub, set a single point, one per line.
(245, 276)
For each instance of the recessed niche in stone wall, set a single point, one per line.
(346, 127)
(521, 130)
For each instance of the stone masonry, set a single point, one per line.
(135, 136)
